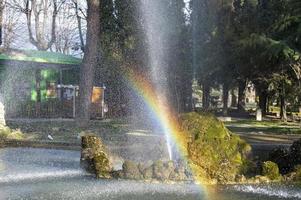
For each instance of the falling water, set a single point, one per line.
(156, 27)
(15, 82)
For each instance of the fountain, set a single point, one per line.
(27, 173)
(156, 28)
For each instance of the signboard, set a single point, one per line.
(97, 100)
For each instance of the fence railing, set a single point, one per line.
(51, 108)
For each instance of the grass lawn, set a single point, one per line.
(67, 130)
(270, 132)
(267, 127)
(118, 130)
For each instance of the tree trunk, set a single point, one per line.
(283, 114)
(233, 98)
(79, 26)
(263, 97)
(177, 97)
(225, 99)
(241, 96)
(188, 96)
(268, 105)
(206, 96)
(89, 62)
(1, 20)
(38, 91)
(35, 8)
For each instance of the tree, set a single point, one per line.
(1, 20)
(9, 26)
(66, 30)
(123, 48)
(80, 14)
(37, 14)
(275, 48)
(180, 73)
(90, 61)
(203, 18)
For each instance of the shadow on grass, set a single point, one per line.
(265, 130)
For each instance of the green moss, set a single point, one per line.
(94, 157)
(298, 173)
(102, 165)
(131, 170)
(271, 170)
(8, 133)
(214, 151)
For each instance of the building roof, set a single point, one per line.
(38, 60)
(39, 57)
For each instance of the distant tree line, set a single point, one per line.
(47, 25)
(215, 42)
(249, 40)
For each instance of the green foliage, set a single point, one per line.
(271, 170)
(271, 49)
(281, 156)
(287, 160)
(295, 152)
(296, 7)
(214, 151)
(249, 40)
(124, 46)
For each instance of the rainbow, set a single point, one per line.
(159, 107)
(167, 118)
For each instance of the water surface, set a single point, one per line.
(55, 174)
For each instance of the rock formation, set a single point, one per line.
(94, 157)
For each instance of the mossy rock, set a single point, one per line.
(102, 165)
(240, 179)
(179, 174)
(94, 157)
(298, 173)
(148, 173)
(160, 171)
(294, 176)
(131, 170)
(213, 151)
(271, 170)
(261, 179)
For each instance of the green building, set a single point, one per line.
(31, 80)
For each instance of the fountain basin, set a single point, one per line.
(28, 173)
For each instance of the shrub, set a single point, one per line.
(281, 156)
(295, 152)
(8, 133)
(271, 170)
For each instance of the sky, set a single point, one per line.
(21, 40)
